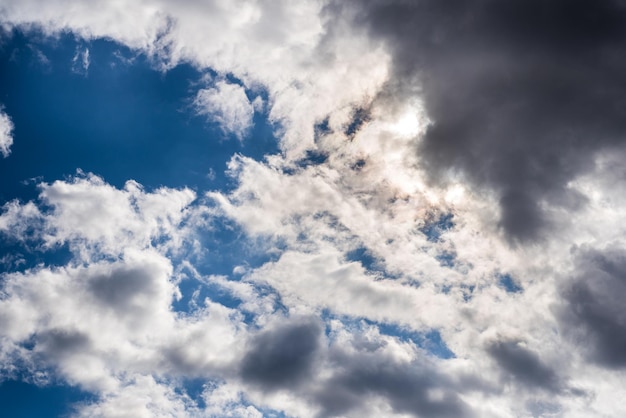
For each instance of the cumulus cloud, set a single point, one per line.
(143, 397)
(88, 212)
(6, 133)
(104, 321)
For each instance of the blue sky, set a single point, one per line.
(139, 123)
(312, 209)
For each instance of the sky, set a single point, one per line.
(322, 208)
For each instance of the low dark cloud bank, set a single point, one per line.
(521, 93)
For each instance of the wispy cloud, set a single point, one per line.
(81, 61)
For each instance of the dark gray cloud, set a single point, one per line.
(521, 92)
(525, 366)
(61, 343)
(291, 356)
(284, 356)
(416, 389)
(593, 314)
(122, 286)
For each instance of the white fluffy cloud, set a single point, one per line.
(6, 133)
(89, 214)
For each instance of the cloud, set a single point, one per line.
(514, 105)
(72, 322)
(524, 365)
(90, 214)
(110, 310)
(412, 134)
(142, 398)
(81, 61)
(228, 105)
(324, 281)
(347, 372)
(18, 220)
(412, 388)
(284, 356)
(103, 320)
(227, 400)
(592, 315)
(130, 291)
(6, 133)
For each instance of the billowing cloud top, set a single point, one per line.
(421, 215)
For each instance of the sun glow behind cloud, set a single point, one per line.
(409, 124)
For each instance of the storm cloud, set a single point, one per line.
(520, 94)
